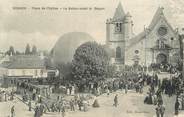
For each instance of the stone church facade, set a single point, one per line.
(158, 43)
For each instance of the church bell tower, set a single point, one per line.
(118, 33)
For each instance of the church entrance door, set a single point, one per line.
(161, 59)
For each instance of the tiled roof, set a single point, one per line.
(26, 62)
(137, 39)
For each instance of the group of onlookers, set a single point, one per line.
(5, 96)
(61, 105)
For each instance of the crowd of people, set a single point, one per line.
(128, 80)
(5, 95)
(8, 96)
(168, 86)
(136, 82)
(62, 105)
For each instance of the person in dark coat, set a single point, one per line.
(34, 96)
(176, 106)
(162, 110)
(160, 100)
(126, 88)
(58, 98)
(149, 101)
(157, 110)
(116, 100)
(37, 111)
(72, 107)
(79, 102)
(146, 100)
(12, 111)
(29, 104)
(12, 96)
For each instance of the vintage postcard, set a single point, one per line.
(87, 58)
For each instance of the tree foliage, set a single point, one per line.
(65, 70)
(34, 50)
(27, 51)
(11, 51)
(111, 71)
(90, 62)
(18, 53)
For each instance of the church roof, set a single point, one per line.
(119, 13)
(137, 38)
(158, 15)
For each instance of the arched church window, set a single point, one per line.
(118, 27)
(118, 52)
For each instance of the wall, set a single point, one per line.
(35, 73)
(3, 71)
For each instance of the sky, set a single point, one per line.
(43, 27)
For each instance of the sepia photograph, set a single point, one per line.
(91, 58)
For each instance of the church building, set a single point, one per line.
(158, 43)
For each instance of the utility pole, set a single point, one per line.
(145, 29)
(181, 42)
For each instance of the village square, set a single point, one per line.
(131, 75)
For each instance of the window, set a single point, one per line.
(160, 44)
(118, 52)
(136, 51)
(162, 31)
(41, 72)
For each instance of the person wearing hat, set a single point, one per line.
(176, 106)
